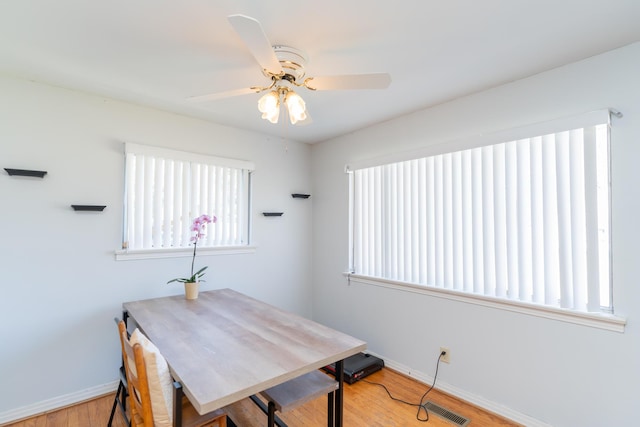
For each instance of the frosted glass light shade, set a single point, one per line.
(269, 106)
(296, 107)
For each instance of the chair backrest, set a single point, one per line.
(136, 372)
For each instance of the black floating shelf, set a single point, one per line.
(92, 208)
(300, 196)
(26, 172)
(272, 213)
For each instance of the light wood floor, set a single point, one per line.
(365, 405)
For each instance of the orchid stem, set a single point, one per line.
(193, 259)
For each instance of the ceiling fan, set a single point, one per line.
(285, 67)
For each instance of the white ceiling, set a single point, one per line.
(159, 52)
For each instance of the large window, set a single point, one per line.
(166, 189)
(524, 219)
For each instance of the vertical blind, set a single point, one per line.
(167, 189)
(526, 219)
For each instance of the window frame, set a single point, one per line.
(245, 168)
(604, 320)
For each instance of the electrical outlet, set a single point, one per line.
(447, 354)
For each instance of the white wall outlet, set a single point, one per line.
(447, 354)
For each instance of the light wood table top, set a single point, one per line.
(225, 346)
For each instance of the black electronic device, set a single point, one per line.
(357, 367)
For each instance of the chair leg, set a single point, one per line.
(115, 404)
(271, 415)
(125, 399)
(121, 401)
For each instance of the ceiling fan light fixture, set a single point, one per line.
(296, 107)
(269, 106)
(285, 67)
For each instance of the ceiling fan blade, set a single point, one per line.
(221, 95)
(252, 34)
(350, 81)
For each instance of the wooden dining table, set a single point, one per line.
(225, 346)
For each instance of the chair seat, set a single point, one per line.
(300, 390)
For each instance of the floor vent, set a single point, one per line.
(446, 414)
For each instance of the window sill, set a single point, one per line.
(604, 321)
(126, 255)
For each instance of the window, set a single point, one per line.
(519, 218)
(167, 189)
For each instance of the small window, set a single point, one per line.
(525, 219)
(166, 189)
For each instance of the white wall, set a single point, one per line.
(61, 286)
(541, 370)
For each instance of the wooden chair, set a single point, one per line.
(141, 411)
(297, 391)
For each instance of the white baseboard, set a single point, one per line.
(464, 395)
(79, 396)
(56, 402)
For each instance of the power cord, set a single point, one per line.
(421, 406)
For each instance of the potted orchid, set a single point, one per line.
(191, 283)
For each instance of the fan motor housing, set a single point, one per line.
(292, 60)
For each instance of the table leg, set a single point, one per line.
(178, 393)
(339, 393)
